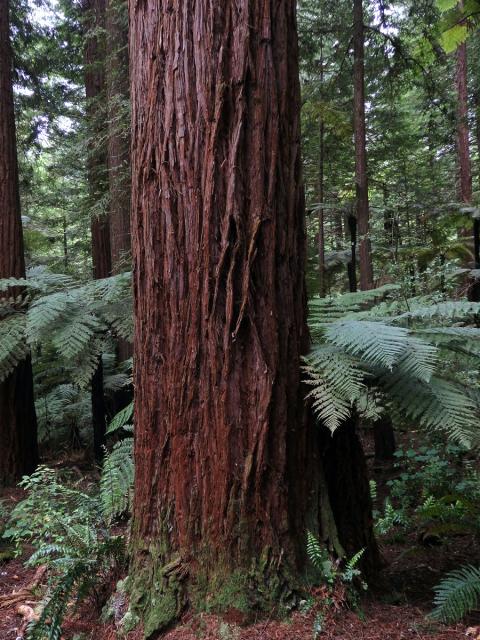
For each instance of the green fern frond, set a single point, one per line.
(117, 480)
(457, 594)
(121, 419)
(316, 553)
(13, 346)
(452, 310)
(439, 405)
(374, 342)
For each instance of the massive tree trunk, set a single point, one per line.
(361, 177)
(94, 73)
(227, 471)
(18, 424)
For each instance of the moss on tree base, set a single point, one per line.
(160, 593)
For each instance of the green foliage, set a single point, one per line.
(66, 527)
(337, 571)
(78, 320)
(457, 594)
(390, 519)
(367, 362)
(117, 480)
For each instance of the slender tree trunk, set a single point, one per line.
(361, 178)
(321, 195)
(463, 153)
(474, 292)
(227, 469)
(97, 170)
(118, 132)
(384, 438)
(18, 423)
(463, 143)
(352, 265)
(118, 146)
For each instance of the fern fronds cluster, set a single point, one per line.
(78, 320)
(70, 536)
(371, 363)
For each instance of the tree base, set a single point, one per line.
(161, 592)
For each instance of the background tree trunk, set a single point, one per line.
(94, 61)
(463, 143)
(384, 438)
(118, 132)
(321, 194)
(349, 493)
(18, 423)
(361, 178)
(118, 147)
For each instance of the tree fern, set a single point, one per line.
(365, 361)
(13, 346)
(457, 594)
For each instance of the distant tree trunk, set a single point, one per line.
(384, 438)
(118, 131)
(18, 423)
(227, 467)
(94, 72)
(474, 293)
(321, 195)
(361, 177)
(463, 143)
(118, 144)
(349, 491)
(352, 265)
(463, 152)
(321, 214)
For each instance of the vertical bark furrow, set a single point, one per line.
(219, 249)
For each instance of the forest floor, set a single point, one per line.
(395, 608)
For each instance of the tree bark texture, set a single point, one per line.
(361, 176)
(18, 424)
(226, 461)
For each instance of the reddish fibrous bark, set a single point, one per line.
(361, 176)
(18, 426)
(218, 242)
(227, 462)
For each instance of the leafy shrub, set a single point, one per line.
(341, 580)
(70, 536)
